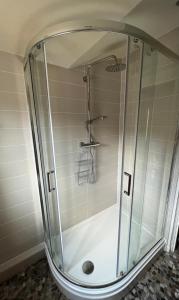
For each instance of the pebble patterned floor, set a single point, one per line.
(161, 282)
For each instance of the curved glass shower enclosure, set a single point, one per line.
(104, 116)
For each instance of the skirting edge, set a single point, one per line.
(21, 262)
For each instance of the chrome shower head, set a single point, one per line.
(117, 67)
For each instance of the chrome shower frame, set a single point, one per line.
(74, 289)
(98, 25)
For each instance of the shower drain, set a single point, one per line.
(88, 267)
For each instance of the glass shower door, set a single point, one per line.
(157, 122)
(42, 110)
(139, 235)
(128, 126)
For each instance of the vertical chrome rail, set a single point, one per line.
(53, 153)
(38, 148)
(135, 150)
(122, 156)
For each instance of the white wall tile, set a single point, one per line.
(69, 116)
(18, 196)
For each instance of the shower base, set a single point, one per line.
(91, 240)
(95, 240)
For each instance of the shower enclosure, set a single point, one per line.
(104, 106)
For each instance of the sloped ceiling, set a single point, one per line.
(73, 50)
(21, 20)
(67, 50)
(157, 17)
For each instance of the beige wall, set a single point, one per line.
(106, 102)
(69, 113)
(68, 105)
(20, 214)
(159, 108)
(160, 96)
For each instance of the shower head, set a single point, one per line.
(117, 67)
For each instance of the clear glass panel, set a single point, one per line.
(37, 155)
(128, 126)
(105, 149)
(138, 232)
(155, 140)
(42, 111)
(85, 94)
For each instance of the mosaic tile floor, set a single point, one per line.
(161, 282)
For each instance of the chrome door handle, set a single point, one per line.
(129, 184)
(50, 188)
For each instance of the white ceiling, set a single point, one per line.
(73, 50)
(21, 20)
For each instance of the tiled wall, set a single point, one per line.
(160, 96)
(69, 113)
(20, 216)
(106, 102)
(128, 113)
(20, 213)
(68, 105)
(159, 108)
